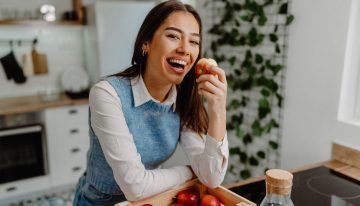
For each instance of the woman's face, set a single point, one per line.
(173, 49)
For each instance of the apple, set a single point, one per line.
(189, 197)
(177, 204)
(200, 67)
(209, 200)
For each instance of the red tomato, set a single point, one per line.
(209, 200)
(188, 197)
(200, 67)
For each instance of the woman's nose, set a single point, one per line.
(183, 48)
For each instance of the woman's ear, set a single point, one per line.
(145, 47)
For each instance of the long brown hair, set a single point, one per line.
(189, 105)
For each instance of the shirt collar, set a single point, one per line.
(142, 95)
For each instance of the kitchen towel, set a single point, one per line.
(28, 67)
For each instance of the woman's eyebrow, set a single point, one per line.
(180, 31)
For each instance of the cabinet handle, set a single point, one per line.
(74, 131)
(75, 169)
(72, 111)
(75, 150)
(10, 189)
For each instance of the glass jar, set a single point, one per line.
(278, 188)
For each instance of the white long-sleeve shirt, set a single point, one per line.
(208, 158)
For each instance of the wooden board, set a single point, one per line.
(345, 154)
(227, 197)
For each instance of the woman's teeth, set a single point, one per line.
(176, 61)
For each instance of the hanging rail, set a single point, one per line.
(19, 42)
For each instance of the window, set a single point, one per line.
(349, 107)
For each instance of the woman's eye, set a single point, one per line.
(172, 36)
(195, 42)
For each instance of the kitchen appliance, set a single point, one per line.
(110, 35)
(22, 153)
(317, 186)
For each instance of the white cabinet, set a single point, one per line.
(68, 142)
(12, 190)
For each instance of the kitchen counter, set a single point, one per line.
(16, 105)
(333, 182)
(343, 168)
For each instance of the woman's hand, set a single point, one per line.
(214, 88)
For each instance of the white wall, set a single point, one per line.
(317, 44)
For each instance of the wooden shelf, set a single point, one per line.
(40, 23)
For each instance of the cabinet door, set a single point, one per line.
(68, 142)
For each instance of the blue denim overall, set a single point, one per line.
(155, 129)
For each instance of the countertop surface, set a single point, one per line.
(335, 182)
(17, 105)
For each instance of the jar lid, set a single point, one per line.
(278, 181)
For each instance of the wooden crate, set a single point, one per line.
(225, 196)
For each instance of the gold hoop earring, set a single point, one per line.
(144, 53)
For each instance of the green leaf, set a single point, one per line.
(230, 80)
(289, 19)
(275, 123)
(239, 132)
(216, 30)
(230, 126)
(253, 161)
(234, 151)
(214, 47)
(237, 6)
(264, 103)
(232, 60)
(251, 70)
(246, 18)
(261, 154)
(273, 145)
(237, 118)
(247, 139)
(231, 169)
(258, 59)
(246, 84)
(219, 59)
(234, 104)
(277, 49)
(228, 15)
(245, 174)
(263, 112)
(283, 8)
(243, 157)
(276, 27)
(262, 20)
(237, 23)
(280, 99)
(257, 130)
(271, 124)
(264, 108)
(244, 100)
(273, 37)
(248, 55)
(265, 92)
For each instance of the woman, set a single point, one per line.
(138, 116)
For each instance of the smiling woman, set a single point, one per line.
(140, 115)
